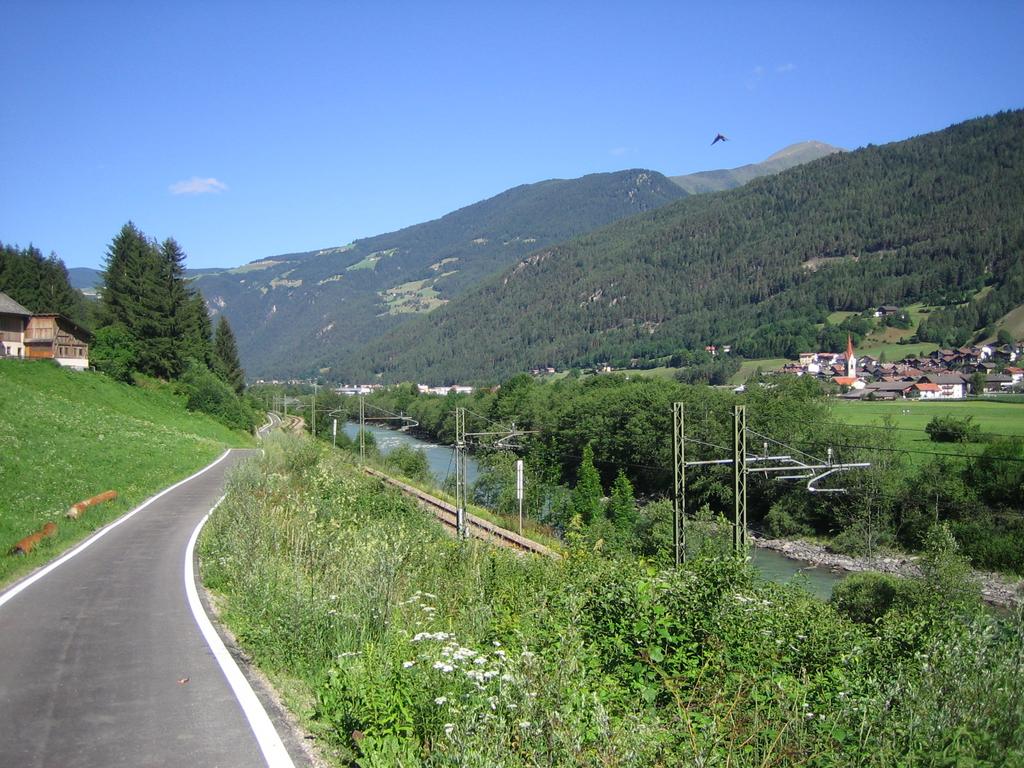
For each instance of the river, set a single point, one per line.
(771, 565)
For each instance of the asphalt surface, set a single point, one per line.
(102, 662)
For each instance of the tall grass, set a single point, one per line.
(416, 649)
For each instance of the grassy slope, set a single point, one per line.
(1012, 321)
(68, 436)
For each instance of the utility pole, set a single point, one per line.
(362, 430)
(679, 492)
(314, 410)
(779, 467)
(504, 440)
(519, 492)
(739, 474)
(460, 472)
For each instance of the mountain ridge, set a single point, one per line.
(937, 215)
(729, 178)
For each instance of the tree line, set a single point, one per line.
(591, 436)
(150, 321)
(40, 284)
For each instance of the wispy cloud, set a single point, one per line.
(755, 77)
(197, 186)
(759, 73)
(619, 151)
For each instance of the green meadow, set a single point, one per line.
(996, 418)
(70, 435)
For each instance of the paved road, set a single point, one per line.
(102, 662)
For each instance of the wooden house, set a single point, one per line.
(58, 338)
(13, 319)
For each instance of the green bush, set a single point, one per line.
(408, 461)
(867, 597)
(950, 429)
(207, 393)
(113, 352)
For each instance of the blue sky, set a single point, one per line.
(250, 129)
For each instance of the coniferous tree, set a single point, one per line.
(40, 284)
(622, 503)
(125, 264)
(196, 331)
(225, 356)
(144, 295)
(587, 495)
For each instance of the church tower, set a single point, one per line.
(851, 361)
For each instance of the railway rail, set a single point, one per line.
(477, 527)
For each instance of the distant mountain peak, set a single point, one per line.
(805, 149)
(730, 178)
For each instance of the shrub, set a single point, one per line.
(950, 429)
(408, 461)
(113, 352)
(207, 393)
(867, 597)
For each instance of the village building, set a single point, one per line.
(952, 386)
(56, 338)
(13, 319)
(46, 336)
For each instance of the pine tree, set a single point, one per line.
(126, 259)
(588, 494)
(622, 504)
(196, 331)
(225, 356)
(40, 284)
(144, 295)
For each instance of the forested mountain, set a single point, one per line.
(937, 215)
(719, 181)
(296, 312)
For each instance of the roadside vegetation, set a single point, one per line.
(70, 435)
(403, 647)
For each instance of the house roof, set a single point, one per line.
(891, 386)
(927, 387)
(9, 306)
(68, 325)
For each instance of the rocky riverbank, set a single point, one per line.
(995, 588)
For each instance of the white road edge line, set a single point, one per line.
(21, 586)
(263, 729)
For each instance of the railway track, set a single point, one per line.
(478, 528)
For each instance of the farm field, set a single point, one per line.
(69, 435)
(910, 417)
(893, 350)
(748, 367)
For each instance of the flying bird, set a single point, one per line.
(719, 138)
